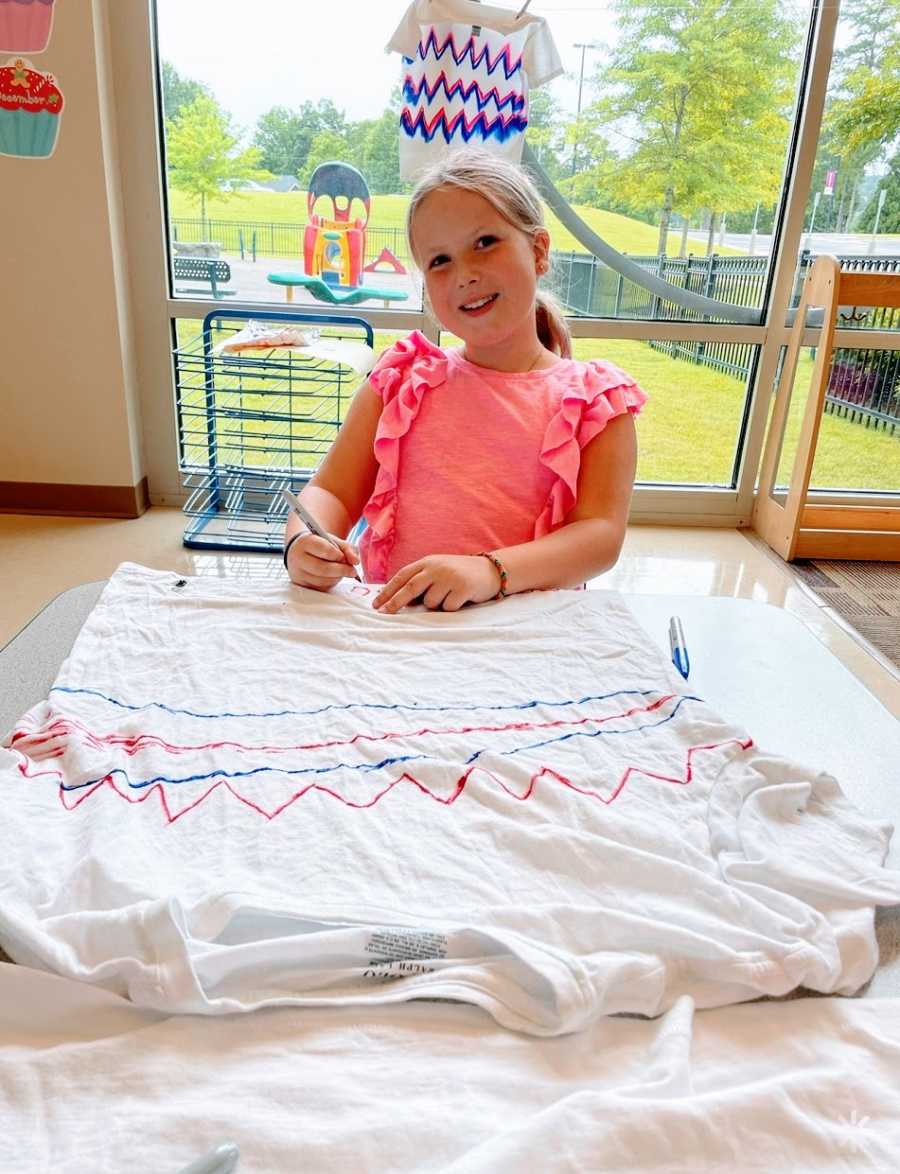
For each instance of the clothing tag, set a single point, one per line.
(401, 953)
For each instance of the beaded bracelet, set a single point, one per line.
(501, 571)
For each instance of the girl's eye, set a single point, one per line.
(484, 241)
(440, 259)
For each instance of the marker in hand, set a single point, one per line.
(311, 524)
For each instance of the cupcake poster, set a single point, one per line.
(31, 104)
(25, 25)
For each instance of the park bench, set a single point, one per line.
(202, 269)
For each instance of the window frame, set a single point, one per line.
(135, 68)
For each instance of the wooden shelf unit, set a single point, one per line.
(794, 527)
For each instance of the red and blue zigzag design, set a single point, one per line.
(413, 91)
(431, 45)
(480, 127)
(52, 740)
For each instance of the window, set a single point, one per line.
(692, 173)
(853, 212)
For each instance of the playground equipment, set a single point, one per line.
(385, 257)
(334, 248)
(333, 295)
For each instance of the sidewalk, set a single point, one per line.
(847, 244)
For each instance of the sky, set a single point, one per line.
(292, 51)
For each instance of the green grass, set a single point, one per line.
(622, 232)
(688, 430)
(848, 455)
(689, 427)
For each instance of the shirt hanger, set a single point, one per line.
(476, 29)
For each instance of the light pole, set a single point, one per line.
(753, 233)
(583, 46)
(812, 220)
(874, 236)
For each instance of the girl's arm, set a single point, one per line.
(343, 483)
(586, 545)
(336, 495)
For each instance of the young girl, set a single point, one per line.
(502, 466)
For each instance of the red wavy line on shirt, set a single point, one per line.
(133, 744)
(445, 801)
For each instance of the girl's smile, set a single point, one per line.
(480, 305)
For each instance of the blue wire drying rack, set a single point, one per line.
(250, 424)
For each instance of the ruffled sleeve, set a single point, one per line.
(603, 392)
(401, 377)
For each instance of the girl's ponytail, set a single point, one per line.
(552, 330)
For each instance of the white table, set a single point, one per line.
(760, 667)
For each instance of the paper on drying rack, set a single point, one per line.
(263, 336)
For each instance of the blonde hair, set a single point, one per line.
(513, 194)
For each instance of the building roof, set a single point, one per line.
(280, 183)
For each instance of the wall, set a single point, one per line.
(69, 424)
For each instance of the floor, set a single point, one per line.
(42, 556)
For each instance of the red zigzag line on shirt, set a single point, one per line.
(450, 124)
(132, 744)
(504, 54)
(445, 801)
(430, 88)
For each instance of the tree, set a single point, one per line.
(872, 22)
(870, 114)
(178, 91)
(283, 141)
(890, 212)
(328, 145)
(699, 90)
(284, 137)
(863, 114)
(546, 132)
(204, 153)
(380, 153)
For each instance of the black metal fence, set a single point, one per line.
(253, 238)
(864, 384)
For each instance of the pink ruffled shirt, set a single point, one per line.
(471, 459)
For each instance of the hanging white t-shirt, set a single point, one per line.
(462, 88)
(240, 795)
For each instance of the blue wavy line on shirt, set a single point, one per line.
(412, 92)
(367, 766)
(363, 704)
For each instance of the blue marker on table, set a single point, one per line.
(678, 646)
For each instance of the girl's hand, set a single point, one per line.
(313, 562)
(444, 581)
